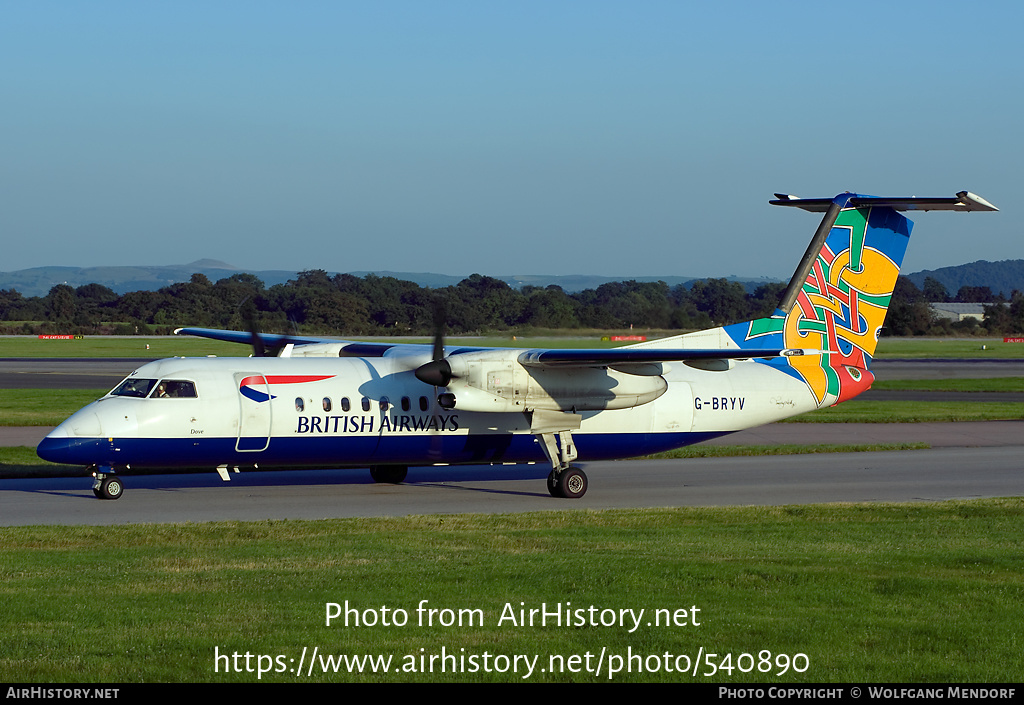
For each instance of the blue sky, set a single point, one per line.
(610, 138)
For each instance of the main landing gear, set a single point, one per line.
(107, 486)
(389, 474)
(570, 483)
(554, 433)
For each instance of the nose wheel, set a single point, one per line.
(107, 486)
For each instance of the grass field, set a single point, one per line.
(866, 593)
(110, 346)
(43, 407)
(977, 348)
(858, 411)
(991, 384)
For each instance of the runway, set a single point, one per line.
(66, 373)
(904, 476)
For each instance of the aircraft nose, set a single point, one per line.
(85, 424)
(68, 444)
(60, 448)
(52, 448)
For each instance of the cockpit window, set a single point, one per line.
(174, 389)
(134, 387)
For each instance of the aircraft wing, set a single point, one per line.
(348, 348)
(244, 337)
(536, 358)
(627, 356)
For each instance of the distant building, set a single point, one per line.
(959, 312)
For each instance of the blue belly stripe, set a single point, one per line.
(351, 451)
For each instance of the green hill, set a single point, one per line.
(1004, 276)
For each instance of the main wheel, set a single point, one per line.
(554, 486)
(390, 474)
(110, 488)
(572, 483)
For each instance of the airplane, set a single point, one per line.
(335, 403)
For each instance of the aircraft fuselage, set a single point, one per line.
(365, 411)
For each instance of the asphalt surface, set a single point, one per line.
(66, 373)
(907, 476)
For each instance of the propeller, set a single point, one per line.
(258, 348)
(437, 372)
(249, 313)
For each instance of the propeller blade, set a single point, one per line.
(437, 372)
(249, 312)
(440, 320)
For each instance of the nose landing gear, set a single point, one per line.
(106, 485)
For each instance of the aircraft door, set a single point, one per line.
(254, 412)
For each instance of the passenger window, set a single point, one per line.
(406, 404)
(345, 406)
(424, 404)
(327, 403)
(366, 404)
(384, 403)
(300, 405)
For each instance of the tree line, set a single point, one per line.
(910, 313)
(345, 305)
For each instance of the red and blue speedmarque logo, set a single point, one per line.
(250, 386)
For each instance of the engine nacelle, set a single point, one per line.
(497, 382)
(317, 350)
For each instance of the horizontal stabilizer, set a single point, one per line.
(963, 201)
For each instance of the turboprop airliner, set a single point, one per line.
(335, 403)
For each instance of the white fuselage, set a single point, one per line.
(329, 412)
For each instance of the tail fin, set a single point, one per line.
(839, 295)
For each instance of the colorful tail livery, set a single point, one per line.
(386, 406)
(838, 297)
